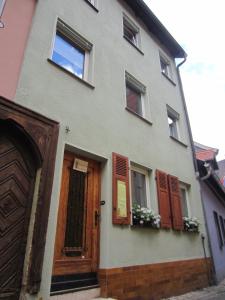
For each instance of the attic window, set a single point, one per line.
(165, 67)
(131, 31)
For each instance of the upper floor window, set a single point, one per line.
(134, 101)
(166, 69)
(135, 95)
(68, 56)
(71, 51)
(173, 118)
(131, 31)
(165, 66)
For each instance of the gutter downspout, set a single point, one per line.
(195, 165)
(213, 270)
(186, 113)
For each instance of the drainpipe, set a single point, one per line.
(195, 166)
(186, 114)
(211, 274)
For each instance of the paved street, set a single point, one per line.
(209, 293)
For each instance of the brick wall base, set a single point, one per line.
(155, 281)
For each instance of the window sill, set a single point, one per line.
(133, 45)
(137, 115)
(178, 141)
(168, 78)
(71, 74)
(91, 5)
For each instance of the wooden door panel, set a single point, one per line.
(16, 191)
(87, 260)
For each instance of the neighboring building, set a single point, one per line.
(213, 198)
(221, 171)
(98, 117)
(15, 23)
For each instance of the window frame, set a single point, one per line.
(146, 173)
(78, 42)
(175, 117)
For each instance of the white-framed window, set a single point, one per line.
(135, 95)
(71, 51)
(173, 122)
(165, 66)
(2, 5)
(184, 195)
(140, 182)
(93, 3)
(131, 31)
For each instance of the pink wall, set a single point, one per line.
(17, 17)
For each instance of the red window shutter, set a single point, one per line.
(175, 200)
(121, 191)
(163, 198)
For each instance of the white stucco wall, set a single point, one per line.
(99, 124)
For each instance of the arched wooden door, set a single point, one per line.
(17, 178)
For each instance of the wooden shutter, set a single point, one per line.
(163, 198)
(121, 197)
(175, 201)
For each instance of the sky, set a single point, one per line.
(198, 26)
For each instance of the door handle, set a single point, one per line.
(97, 217)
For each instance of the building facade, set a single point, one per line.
(100, 108)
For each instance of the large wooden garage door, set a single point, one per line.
(17, 176)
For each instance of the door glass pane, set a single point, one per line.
(68, 56)
(74, 235)
(138, 188)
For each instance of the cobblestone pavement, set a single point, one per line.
(215, 292)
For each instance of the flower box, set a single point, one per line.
(144, 217)
(191, 224)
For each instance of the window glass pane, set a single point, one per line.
(130, 34)
(164, 67)
(184, 202)
(172, 127)
(2, 2)
(134, 100)
(138, 182)
(68, 56)
(218, 229)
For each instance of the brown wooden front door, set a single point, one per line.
(17, 176)
(77, 237)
